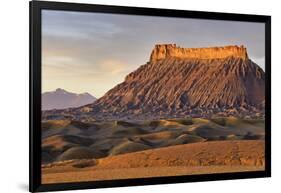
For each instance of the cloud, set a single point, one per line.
(97, 79)
(111, 66)
(96, 51)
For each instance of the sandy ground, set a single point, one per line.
(188, 159)
(127, 173)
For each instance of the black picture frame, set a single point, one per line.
(35, 94)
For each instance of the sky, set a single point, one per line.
(93, 52)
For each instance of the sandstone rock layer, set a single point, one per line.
(162, 51)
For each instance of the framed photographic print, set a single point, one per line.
(125, 96)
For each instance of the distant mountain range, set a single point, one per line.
(62, 99)
(180, 82)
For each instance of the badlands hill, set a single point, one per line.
(176, 82)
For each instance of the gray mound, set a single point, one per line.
(128, 147)
(85, 163)
(128, 131)
(183, 139)
(211, 131)
(107, 144)
(78, 140)
(126, 124)
(79, 153)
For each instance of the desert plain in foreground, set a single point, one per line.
(124, 150)
(199, 158)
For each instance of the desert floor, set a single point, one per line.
(184, 159)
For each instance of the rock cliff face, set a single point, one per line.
(180, 82)
(162, 51)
